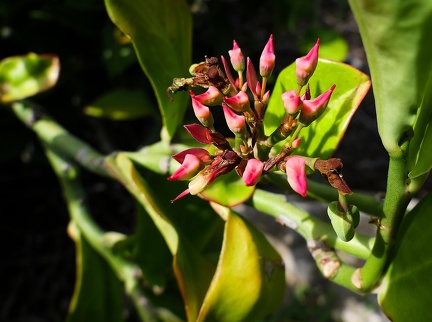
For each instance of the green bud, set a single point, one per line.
(342, 222)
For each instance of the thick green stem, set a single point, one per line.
(310, 227)
(395, 204)
(331, 266)
(324, 192)
(60, 140)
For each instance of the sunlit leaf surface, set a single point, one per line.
(322, 137)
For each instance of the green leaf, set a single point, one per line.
(98, 294)
(24, 76)
(161, 32)
(321, 138)
(148, 246)
(396, 36)
(228, 190)
(249, 281)
(121, 104)
(193, 271)
(420, 152)
(157, 157)
(405, 292)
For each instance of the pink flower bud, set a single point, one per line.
(295, 143)
(211, 97)
(239, 103)
(252, 172)
(237, 58)
(200, 153)
(236, 123)
(312, 109)
(305, 66)
(199, 133)
(266, 97)
(267, 60)
(292, 102)
(189, 168)
(296, 174)
(258, 88)
(202, 112)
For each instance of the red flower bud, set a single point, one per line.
(189, 168)
(201, 153)
(199, 133)
(251, 78)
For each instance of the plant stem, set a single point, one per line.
(126, 271)
(310, 227)
(331, 266)
(324, 192)
(58, 139)
(395, 204)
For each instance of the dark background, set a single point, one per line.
(37, 267)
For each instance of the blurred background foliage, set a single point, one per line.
(99, 68)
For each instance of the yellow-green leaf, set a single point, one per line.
(249, 281)
(98, 294)
(24, 76)
(321, 138)
(193, 271)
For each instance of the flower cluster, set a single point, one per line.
(249, 153)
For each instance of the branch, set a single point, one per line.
(58, 139)
(310, 227)
(395, 205)
(324, 192)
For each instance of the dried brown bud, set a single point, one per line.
(331, 170)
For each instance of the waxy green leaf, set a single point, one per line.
(396, 34)
(98, 294)
(161, 33)
(249, 281)
(228, 190)
(321, 138)
(193, 271)
(405, 292)
(24, 76)
(420, 152)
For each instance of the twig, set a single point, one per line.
(310, 227)
(58, 139)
